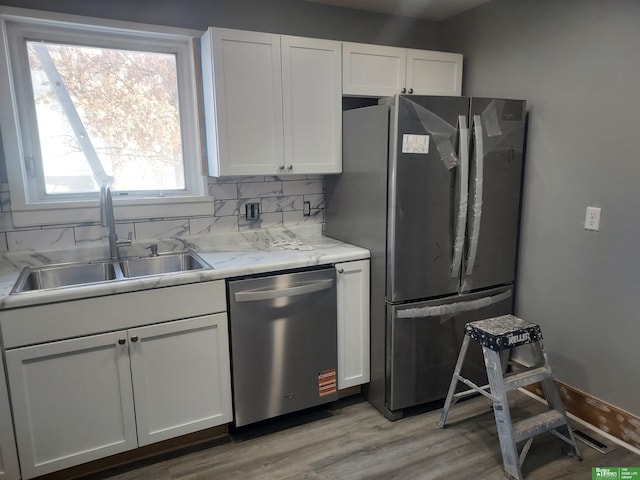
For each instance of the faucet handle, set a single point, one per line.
(154, 249)
(128, 241)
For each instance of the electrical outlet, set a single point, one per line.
(252, 211)
(592, 219)
(306, 208)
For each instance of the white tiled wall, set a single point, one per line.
(280, 198)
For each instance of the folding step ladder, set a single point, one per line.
(496, 335)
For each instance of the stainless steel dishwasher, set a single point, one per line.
(283, 343)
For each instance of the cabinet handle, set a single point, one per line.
(134, 338)
(122, 341)
(281, 167)
(411, 90)
(289, 167)
(404, 90)
(340, 271)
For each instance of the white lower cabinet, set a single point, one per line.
(86, 398)
(177, 370)
(8, 457)
(72, 401)
(353, 323)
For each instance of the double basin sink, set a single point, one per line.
(78, 274)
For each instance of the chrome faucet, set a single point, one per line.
(108, 220)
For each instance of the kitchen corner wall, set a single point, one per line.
(576, 64)
(280, 198)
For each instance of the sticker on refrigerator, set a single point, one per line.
(412, 143)
(327, 382)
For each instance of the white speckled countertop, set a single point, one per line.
(230, 256)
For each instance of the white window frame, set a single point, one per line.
(28, 205)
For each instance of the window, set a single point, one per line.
(94, 104)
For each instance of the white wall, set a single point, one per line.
(577, 63)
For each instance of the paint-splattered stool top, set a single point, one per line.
(501, 333)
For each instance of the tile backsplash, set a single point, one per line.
(280, 198)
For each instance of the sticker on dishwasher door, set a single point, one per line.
(327, 382)
(415, 143)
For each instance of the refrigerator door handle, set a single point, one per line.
(453, 308)
(476, 210)
(463, 198)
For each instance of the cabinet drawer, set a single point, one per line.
(45, 323)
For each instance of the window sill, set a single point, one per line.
(124, 209)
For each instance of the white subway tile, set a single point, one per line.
(50, 239)
(259, 189)
(162, 229)
(224, 191)
(5, 202)
(223, 208)
(316, 199)
(302, 187)
(285, 178)
(255, 178)
(225, 224)
(280, 204)
(297, 218)
(6, 222)
(97, 233)
(209, 225)
(267, 220)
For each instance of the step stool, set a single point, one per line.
(496, 335)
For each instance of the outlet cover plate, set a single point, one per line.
(252, 211)
(592, 219)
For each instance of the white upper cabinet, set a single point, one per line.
(373, 70)
(434, 73)
(242, 88)
(272, 103)
(312, 91)
(379, 71)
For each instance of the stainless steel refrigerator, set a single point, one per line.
(431, 186)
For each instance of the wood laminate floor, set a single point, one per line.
(352, 441)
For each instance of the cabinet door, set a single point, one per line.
(247, 109)
(353, 323)
(181, 377)
(312, 95)
(373, 70)
(72, 401)
(434, 73)
(8, 457)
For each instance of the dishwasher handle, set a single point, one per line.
(270, 294)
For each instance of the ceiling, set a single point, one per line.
(429, 9)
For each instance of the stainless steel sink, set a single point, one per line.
(162, 264)
(65, 275)
(87, 273)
